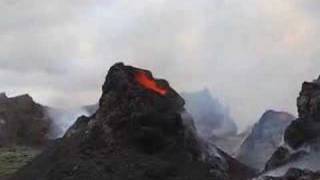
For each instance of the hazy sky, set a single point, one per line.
(252, 54)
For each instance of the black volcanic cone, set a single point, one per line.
(136, 134)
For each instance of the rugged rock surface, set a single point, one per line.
(212, 120)
(295, 174)
(138, 133)
(22, 121)
(283, 156)
(307, 127)
(265, 138)
(210, 116)
(302, 144)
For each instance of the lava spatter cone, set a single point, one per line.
(137, 133)
(142, 111)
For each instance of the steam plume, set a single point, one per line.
(254, 53)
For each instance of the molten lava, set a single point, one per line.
(149, 83)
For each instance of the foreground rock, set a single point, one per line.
(302, 143)
(306, 129)
(22, 121)
(295, 174)
(137, 133)
(265, 138)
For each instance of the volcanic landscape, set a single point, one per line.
(142, 129)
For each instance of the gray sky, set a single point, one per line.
(252, 54)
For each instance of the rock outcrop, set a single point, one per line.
(302, 136)
(295, 174)
(264, 139)
(306, 128)
(22, 121)
(137, 133)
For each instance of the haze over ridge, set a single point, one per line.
(253, 55)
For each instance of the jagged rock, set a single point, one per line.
(302, 137)
(22, 121)
(3, 96)
(280, 157)
(212, 120)
(295, 174)
(307, 127)
(302, 132)
(283, 156)
(265, 138)
(137, 133)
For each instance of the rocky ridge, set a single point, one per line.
(266, 136)
(23, 121)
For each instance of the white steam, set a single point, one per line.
(211, 117)
(63, 119)
(254, 54)
(310, 162)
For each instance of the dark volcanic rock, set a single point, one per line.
(22, 121)
(265, 138)
(307, 127)
(302, 136)
(280, 157)
(137, 133)
(283, 156)
(295, 174)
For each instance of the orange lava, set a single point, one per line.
(149, 83)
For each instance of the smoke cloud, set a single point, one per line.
(252, 54)
(63, 120)
(210, 116)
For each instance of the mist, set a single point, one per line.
(63, 119)
(310, 162)
(211, 117)
(252, 54)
